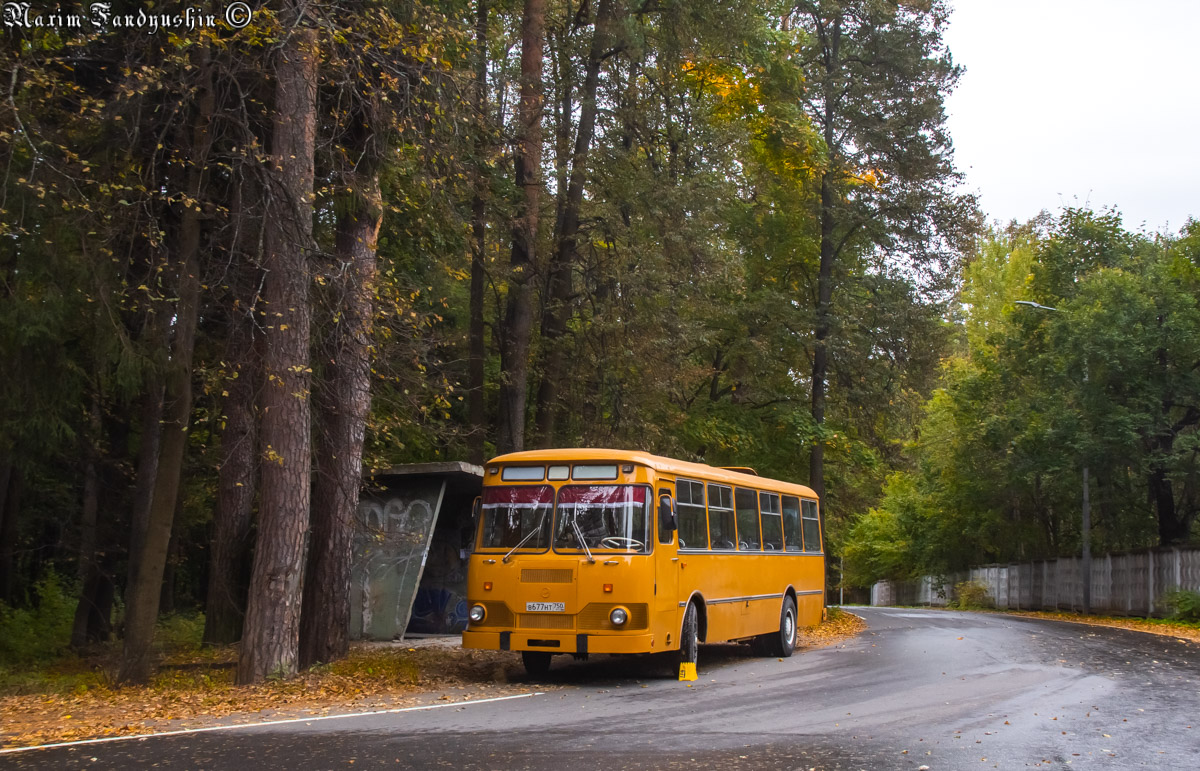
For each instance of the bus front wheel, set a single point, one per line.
(537, 664)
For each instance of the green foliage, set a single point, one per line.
(41, 632)
(1109, 380)
(1182, 604)
(180, 632)
(972, 595)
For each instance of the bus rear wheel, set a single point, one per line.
(689, 638)
(782, 643)
(537, 664)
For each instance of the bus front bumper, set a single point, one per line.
(559, 643)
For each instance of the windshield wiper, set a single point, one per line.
(579, 535)
(521, 543)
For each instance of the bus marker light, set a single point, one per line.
(608, 587)
(487, 586)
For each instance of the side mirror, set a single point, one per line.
(476, 511)
(666, 514)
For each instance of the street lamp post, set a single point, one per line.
(1086, 526)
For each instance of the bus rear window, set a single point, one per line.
(512, 515)
(605, 516)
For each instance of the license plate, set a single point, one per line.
(546, 607)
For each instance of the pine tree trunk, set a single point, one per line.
(344, 404)
(272, 627)
(143, 596)
(518, 315)
(229, 564)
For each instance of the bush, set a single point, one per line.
(180, 632)
(972, 595)
(41, 632)
(1182, 604)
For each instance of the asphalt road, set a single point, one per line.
(935, 689)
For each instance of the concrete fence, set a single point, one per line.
(1130, 584)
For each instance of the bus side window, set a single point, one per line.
(772, 525)
(812, 526)
(722, 533)
(689, 507)
(747, 519)
(791, 523)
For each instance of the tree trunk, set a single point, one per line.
(518, 316)
(147, 468)
(10, 504)
(820, 366)
(821, 330)
(272, 627)
(477, 353)
(325, 627)
(558, 289)
(1172, 529)
(88, 569)
(229, 563)
(143, 596)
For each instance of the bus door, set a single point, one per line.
(666, 567)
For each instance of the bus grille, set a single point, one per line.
(540, 621)
(595, 616)
(547, 575)
(498, 614)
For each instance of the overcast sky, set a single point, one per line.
(1073, 102)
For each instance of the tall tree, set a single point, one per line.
(237, 473)
(517, 327)
(477, 350)
(271, 631)
(878, 73)
(562, 263)
(144, 595)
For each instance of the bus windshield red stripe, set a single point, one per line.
(543, 494)
(602, 494)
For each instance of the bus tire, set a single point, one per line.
(782, 643)
(537, 663)
(689, 638)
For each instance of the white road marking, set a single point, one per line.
(132, 737)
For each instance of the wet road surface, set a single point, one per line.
(919, 688)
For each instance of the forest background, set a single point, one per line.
(241, 268)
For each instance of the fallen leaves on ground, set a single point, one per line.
(841, 625)
(1164, 628)
(194, 693)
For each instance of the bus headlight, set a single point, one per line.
(477, 613)
(618, 616)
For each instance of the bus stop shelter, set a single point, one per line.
(412, 535)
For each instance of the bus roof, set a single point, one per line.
(656, 462)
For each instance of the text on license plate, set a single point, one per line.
(545, 607)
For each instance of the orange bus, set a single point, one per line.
(582, 551)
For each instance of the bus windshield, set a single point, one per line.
(515, 516)
(607, 517)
